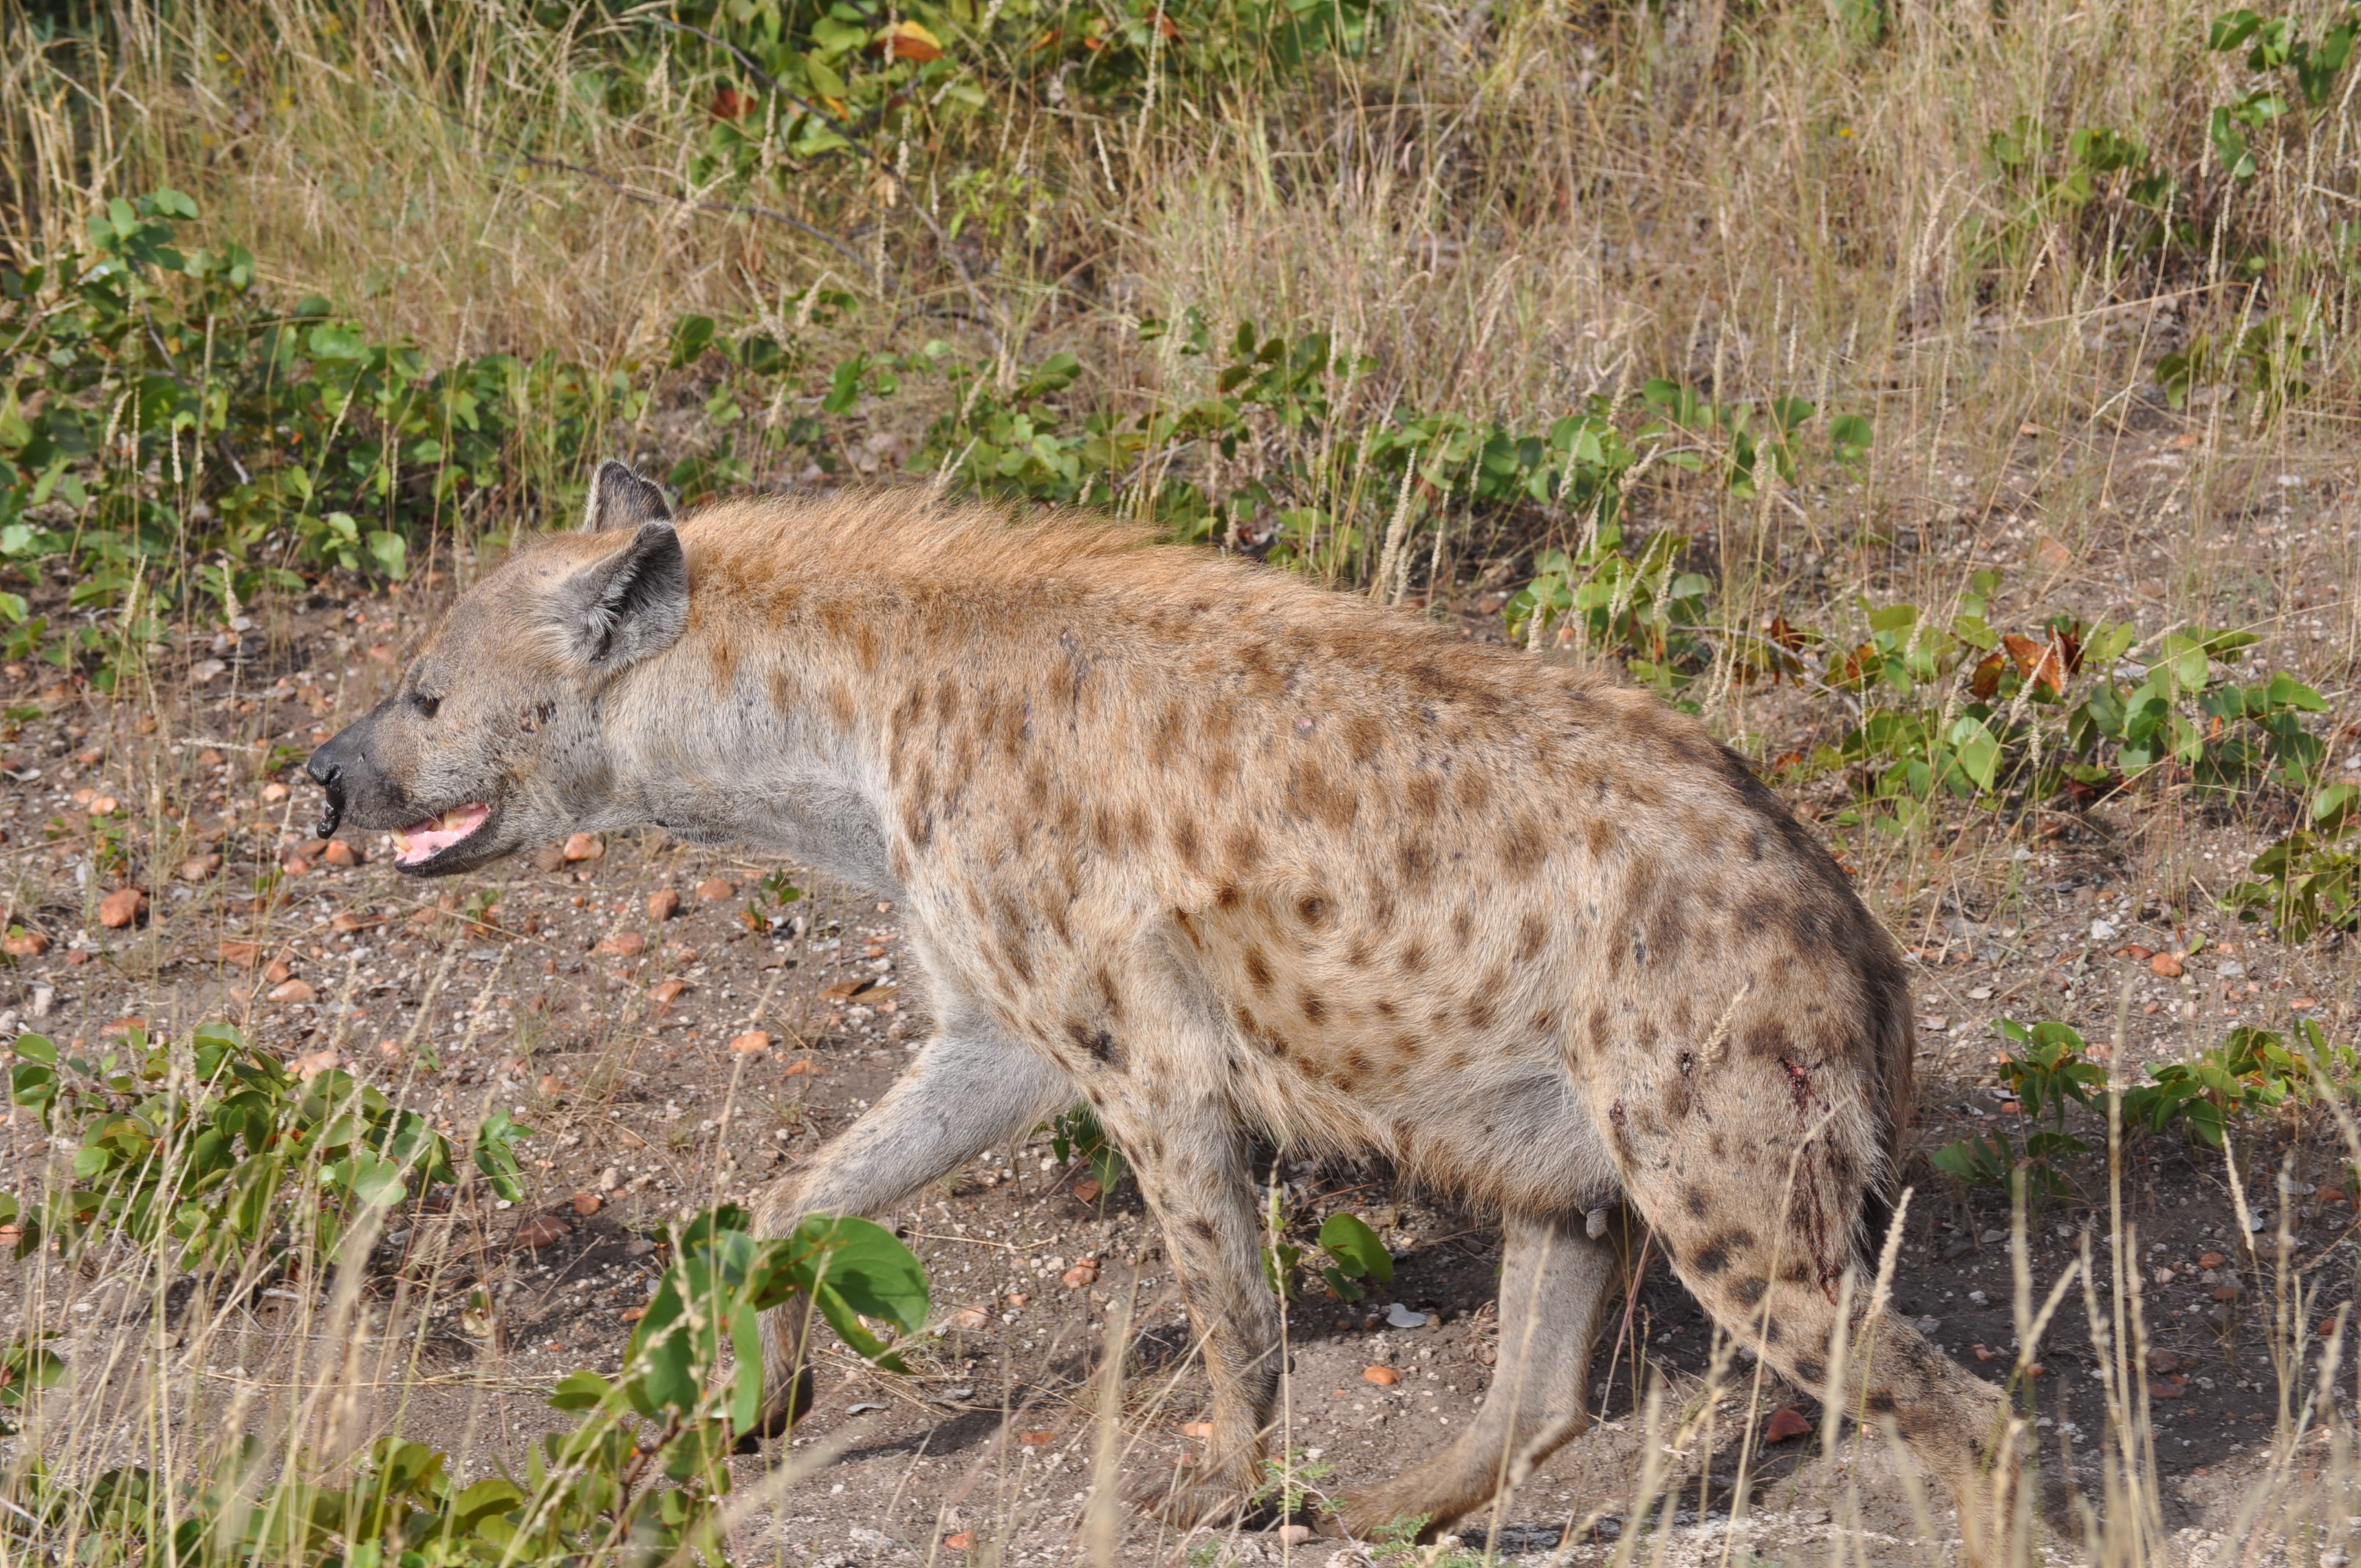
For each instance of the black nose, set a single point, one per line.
(327, 770)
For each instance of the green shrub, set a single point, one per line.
(640, 1476)
(218, 1153)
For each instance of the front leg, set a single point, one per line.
(970, 1088)
(1192, 1171)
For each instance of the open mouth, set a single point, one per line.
(422, 841)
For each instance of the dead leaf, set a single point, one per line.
(843, 990)
(121, 907)
(2134, 950)
(311, 1066)
(341, 855)
(911, 42)
(122, 1026)
(2210, 1260)
(664, 992)
(549, 858)
(278, 970)
(1785, 1424)
(1087, 1189)
(541, 1231)
(25, 945)
(586, 1204)
(245, 955)
(293, 990)
(1986, 680)
(345, 920)
(196, 868)
(803, 1067)
(633, 1314)
(1383, 1377)
(2040, 664)
(728, 104)
(1196, 1428)
(623, 945)
(957, 1540)
(1036, 1439)
(2049, 553)
(2186, 441)
(2169, 965)
(970, 1318)
(753, 1042)
(1084, 1273)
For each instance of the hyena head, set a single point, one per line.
(492, 741)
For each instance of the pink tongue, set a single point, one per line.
(424, 840)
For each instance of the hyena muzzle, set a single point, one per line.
(1227, 856)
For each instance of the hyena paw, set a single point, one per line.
(784, 1406)
(1202, 1493)
(1372, 1513)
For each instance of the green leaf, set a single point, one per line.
(391, 554)
(1357, 1248)
(1977, 750)
(870, 1269)
(585, 1391)
(483, 1501)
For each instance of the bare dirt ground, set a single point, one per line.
(610, 1001)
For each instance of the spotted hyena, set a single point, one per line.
(1226, 856)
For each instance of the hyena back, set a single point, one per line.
(1225, 855)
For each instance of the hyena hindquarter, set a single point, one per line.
(1225, 855)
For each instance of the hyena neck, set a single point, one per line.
(744, 765)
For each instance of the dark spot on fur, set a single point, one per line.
(1257, 970)
(1751, 1290)
(1313, 1008)
(1531, 934)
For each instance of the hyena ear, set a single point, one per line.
(628, 606)
(621, 498)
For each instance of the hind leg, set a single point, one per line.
(1781, 1306)
(1555, 1287)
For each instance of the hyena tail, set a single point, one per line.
(1894, 1043)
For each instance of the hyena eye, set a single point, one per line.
(425, 704)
